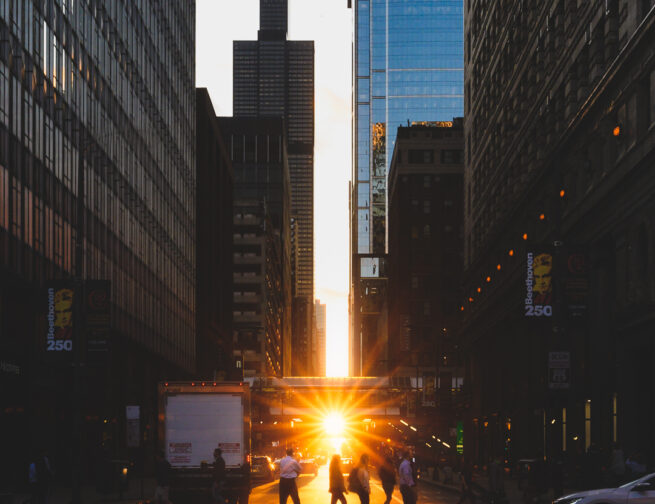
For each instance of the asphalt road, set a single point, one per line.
(314, 490)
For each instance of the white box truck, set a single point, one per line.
(195, 418)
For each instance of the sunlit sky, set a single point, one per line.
(329, 24)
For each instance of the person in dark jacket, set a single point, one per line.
(218, 476)
(387, 475)
(337, 484)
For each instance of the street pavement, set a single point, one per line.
(314, 490)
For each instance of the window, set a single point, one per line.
(452, 156)
(426, 206)
(4, 93)
(426, 231)
(426, 181)
(420, 156)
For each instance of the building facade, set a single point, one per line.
(97, 106)
(214, 220)
(274, 77)
(257, 148)
(558, 306)
(303, 332)
(259, 301)
(407, 67)
(320, 316)
(425, 248)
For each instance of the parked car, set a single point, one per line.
(640, 490)
(346, 465)
(262, 468)
(309, 466)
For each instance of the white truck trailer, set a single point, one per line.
(195, 418)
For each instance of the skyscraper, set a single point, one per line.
(262, 244)
(558, 226)
(408, 67)
(101, 93)
(214, 251)
(274, 77)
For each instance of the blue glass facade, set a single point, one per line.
(408, 66)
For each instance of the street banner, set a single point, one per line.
(98, 319)
(539, 283)
(559, 370)
(60, 297)
(429, 390)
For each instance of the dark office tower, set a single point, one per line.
(425, 253)
(214, 194)
(262, 241)
(260, 305)
(273, 19)
(104, 90)
(274, 77)
(303, 325)
(408, 66)
(558, 312)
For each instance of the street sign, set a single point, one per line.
(459, 444)
(559, 370)
(133, 417)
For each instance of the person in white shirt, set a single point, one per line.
(364, 490)
(406, 480)
(289, 471)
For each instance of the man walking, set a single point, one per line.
(289, 471)
(218, 475)
(406, 480)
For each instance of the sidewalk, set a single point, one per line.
(62, 495)
(512, 492)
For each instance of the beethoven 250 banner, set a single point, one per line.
(539, 283)
(59, 318)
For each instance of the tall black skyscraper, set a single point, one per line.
(274, 77)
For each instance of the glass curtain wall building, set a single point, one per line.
(408, 68)
(106, 89)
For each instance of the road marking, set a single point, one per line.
(393, 496)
